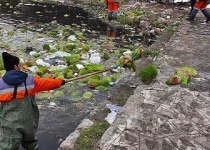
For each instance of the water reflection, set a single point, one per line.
(111, 32)
(46, 13)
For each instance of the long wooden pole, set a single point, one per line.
(89, 74)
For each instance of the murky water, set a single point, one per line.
(36, 13)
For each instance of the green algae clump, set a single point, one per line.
(148, 73)
(87, 95)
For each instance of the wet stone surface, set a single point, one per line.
(61, 118)
(166, 117)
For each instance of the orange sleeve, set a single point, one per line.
(46, 84)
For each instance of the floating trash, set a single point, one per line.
(42, 63)
(72, 38)
(95, 58)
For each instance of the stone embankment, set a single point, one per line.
(158, 116)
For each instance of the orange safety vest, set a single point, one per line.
(112, 5)
(34, 84)
(200, 4)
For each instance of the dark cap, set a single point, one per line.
(10, 61)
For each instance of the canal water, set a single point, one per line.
(57, 123)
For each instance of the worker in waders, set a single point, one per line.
(19, 114)
(112, 9)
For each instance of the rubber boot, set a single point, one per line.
(109, 16)
(115, 15)
(206, 14)
(192, 15)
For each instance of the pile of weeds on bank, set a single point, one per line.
(90, 136)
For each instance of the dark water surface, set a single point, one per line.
(55, 123)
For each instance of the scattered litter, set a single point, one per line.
(52, 68)
(59, 61)
(41, 40)
(95, 58)
(127, 52)
(111, 84)
(32, 53)
(111, 117)
(33, 69)
(85, 56)
(42, 63)
(52, 105)
(22, 60)
(132, 86)
(95, 91)
(114, 107)
(114, 110)
(50, 41)
(72, 38)
(58, 54)
(79, 66)
(61, 67)
(59, 141)
(76, 74)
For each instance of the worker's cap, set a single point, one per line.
(9, 61)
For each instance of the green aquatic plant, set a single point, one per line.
(106, 56)
(87, 95)
(122, 50)
(101, 88)
(85, 47)
(11, 33)
(170, 30)
(84, 71)
(94, 67)
(182, 75)
(74, 68)
(148, 73)
(93, 82)
(123, 19)
(67, 73)
(70, 46)
(114, 77)
(52, 33)
(131, 47)
(105, 81)
(29, 63)
(150, 52)
(55, 73)
(74, 58)
(58, 93)
(41, 71)
(84, 81)
(46, 47)
(89, 136)
(80, 35)
(36, 55)
(96, 76)
(190, 71)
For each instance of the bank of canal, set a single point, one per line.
(57, 121)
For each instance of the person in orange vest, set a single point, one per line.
(112, 9)
(199, 5)
(19, 113)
